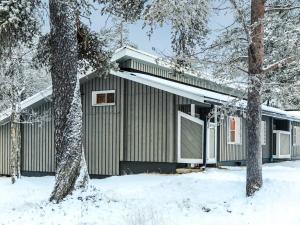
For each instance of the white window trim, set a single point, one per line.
(238, 133)
(94, 94)
(208, 159)
(296, 135)
(263, 132)
(278, 154)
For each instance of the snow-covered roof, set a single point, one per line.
(198, 94)
(184, 90)
(128, 52)
(28, 102)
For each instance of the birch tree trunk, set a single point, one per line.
(67, 101)
(256, 57)
(15, 138)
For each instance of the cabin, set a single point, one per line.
(143, 118)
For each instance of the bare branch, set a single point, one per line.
(243, 70)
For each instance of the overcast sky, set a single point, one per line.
(161, 37)
(160, 40)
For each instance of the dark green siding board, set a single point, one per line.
(151, 117)
(38, 144)
(102, 127)
(101, 134)
(295, 149)
(147, 125)
(156, 70)
(232, 152)
(237, 152)
(191, 139)
(4, 148)
(267, 149)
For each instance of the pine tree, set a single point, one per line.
(70, 49)
(255, 69)
(259, 47)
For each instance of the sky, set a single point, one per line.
(160, 40)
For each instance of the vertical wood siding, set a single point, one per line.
(141, 126)
(295, 154)
(157, 70)
(102, 126)
(102, 133)
(4, 148)
(232, 152)
(150, 125)
(267, 148)
(149, 129)
(237, 152)
(38, 141)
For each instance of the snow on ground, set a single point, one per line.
(216, 196)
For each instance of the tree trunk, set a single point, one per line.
(256, 57)
(66, 99)
(15, 135)
(15, 141)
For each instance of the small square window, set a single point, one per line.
(100, 98)
(103, 98)
(110, 97)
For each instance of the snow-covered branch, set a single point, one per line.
(281, 8)
(242, 19)
(279, 64)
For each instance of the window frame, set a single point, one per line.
(296, 137)
(238, 131)
(263, 132)
(106, 92)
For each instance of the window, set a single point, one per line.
(234, 130)
(296, 135)
(263, 133)
(103, 98)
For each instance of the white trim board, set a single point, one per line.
(162, 84)
(94, 94)
(211, 126)
(278, 154)
(197, 94)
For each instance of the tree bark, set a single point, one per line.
(15, 138)
(66, 99)
(256, 58)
